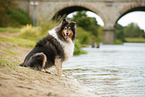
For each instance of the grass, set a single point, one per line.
(118, 42)
(31, 33)
(135, 40)
(8, 63)
(10, 52)
(131, 40)
(5, 61)
(19, 41)
(9, 29)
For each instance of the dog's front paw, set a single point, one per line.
(46, 71)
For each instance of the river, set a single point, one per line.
(111, 70)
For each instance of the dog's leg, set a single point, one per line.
(58, 65)
(38, 61)
(44, 62)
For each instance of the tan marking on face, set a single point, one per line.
(71, 34)
(67, 30)
(64, 31)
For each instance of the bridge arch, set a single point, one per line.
(130, 9)
(110, 12)
(67, 9)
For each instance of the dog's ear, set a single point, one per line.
(73, 28)
(73, 24)
(64, 21)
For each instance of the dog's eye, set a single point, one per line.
(69, 28)
(65, 28)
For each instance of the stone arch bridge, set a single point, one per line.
(109, 10)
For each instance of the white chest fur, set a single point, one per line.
(67, 46)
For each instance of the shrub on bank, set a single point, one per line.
(11, 15)
(21, 17)
(29, 32)
(78, 49)
(46, 24)
(83, 36)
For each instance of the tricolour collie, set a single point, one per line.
(53, 49)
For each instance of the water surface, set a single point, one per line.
(111, 70)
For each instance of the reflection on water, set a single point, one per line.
(111, 70)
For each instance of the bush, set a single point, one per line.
(83, 36)
(46, 24)
(11, 15)
(29, 32)
(78, 49)
(21, 17)
(35, 33)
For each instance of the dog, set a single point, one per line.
(53, 49)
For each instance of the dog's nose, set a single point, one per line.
(67, 33)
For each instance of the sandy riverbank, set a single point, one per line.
(16, 81)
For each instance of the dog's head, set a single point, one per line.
(67, 30)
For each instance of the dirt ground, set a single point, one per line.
(16, 81)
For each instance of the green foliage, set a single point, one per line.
(11, 15)
(29, 32)
(10, 52)
(133, 30)
(78, 50)
(36, 33)
(5, 7)
(46, 24)
(9, 29)
(87, 23)
(119, 33)
(100, 34)
(118, 42)
(143, 34)
(135, 40)
(19, 41)
(21, 17)
(83, 36)
(7, 62)
(125, 34)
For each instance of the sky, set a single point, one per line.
(137, 17)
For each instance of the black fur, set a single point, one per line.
(49, 47)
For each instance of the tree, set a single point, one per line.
(133, 30)
(88, 23)
(5, 7)
(11, 15)
(119, 33)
